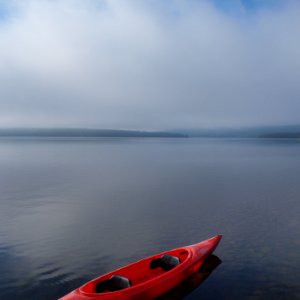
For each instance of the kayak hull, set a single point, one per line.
(147, 283)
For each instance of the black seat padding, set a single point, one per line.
(115, 283)
(166, 262)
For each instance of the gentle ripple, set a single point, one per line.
(71, 210)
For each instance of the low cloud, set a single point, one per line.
(147, 65)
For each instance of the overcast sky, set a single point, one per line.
(152, 64)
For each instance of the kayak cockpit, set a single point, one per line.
(137, 273)
(113, 284)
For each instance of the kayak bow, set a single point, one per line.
(148, 278)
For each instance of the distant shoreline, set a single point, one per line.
(69, 133)
(284, 132)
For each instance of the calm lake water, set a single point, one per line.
(71, 210)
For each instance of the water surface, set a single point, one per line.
(73, 209)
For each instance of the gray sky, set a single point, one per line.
(149, 64)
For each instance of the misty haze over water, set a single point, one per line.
(149, 64)
(83, 191)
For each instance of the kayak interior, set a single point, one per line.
(137, 273)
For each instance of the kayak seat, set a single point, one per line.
(114, 283)
(166, 262)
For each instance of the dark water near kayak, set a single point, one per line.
(71, 210)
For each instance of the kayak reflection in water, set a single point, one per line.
(194, 281)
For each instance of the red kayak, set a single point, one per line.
(148, 278)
